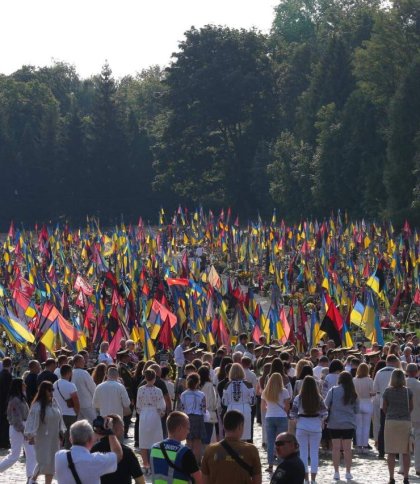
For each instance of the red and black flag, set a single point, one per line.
(332, 324)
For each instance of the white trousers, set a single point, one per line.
(309, 447)
(416, 430)
(17, 441)
(363, 419)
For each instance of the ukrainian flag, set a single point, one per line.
(20, 327)
(356, 315)
(368, 318)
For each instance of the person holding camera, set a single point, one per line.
(129, 467)
(78, 465)
(65, 394)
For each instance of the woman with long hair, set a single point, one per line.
(239, 395)
(363, 384)
(275, 399)
(17, 413)
(305, 370)
(260, 388)
(150, 406)
(309, 411)
(277, 366)
(44, 428)
(206, 386)
(397, 407)
(343, 405)
(99, 373)
(193, 403)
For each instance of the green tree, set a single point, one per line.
(221, 105)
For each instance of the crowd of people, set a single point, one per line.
(195, 414)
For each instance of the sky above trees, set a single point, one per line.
(130, 34)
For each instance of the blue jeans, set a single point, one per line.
(274, 426)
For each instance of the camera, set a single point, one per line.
(99, 426)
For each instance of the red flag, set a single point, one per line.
(256, 333)
(82, 285)
(114, 346)
(177, 281)
(165, 334)
(416, 299)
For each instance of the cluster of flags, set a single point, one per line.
(198, 272)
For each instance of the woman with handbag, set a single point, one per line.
(44, 429)
(343, 405)
(397, 407)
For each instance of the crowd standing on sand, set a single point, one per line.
(199, 330)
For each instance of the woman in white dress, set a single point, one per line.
(239, 395)
(150, 406)
(44, 428)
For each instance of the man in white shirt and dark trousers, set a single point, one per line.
(111, 396)
(85, 388)
(65, 394)
(78, 465)
(179, 355)
(380, 384)
(414, 385)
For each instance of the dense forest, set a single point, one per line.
(322, 113)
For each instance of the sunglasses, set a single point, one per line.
(280, 443)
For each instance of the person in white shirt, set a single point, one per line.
(322, 363)
(88, 467)
(104, 356)
(380, 384)
(243, 340)
(65, 394)
(85, 389)
(61, 360)
(179, 355)
(414, 385)
(111, 396)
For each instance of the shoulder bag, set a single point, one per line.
(69, 401)
(236, 457)
(73, 468)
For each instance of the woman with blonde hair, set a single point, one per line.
(309, 411)
(397, 407)
(239, 395)
(363, 384)
(275, 399)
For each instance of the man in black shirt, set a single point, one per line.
(31, 380)
(129, 466)
(292, 469)
(48, 374)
